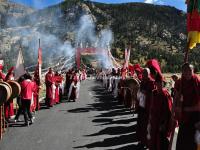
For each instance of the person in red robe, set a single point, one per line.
(154, 67)
(144, 99)
(27, 87)
(58, 80)
(138, 70)
(2, 75)
(121, 84)
(73, 91)
(84, 74)
(158, 128)
(188, 86)
(36, 96)
(49, 81)
(9, 106)
(68, 81)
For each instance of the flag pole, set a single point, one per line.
(186, 52)
(39, 43)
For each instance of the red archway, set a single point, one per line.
(90, 51)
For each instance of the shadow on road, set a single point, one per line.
(117, 122)
(114, 141)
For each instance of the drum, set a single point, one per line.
(5, 83)
(5, 92)
(132, 86)
(16, 88)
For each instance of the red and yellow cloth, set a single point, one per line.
(193, 22)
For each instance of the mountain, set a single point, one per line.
(153, 31)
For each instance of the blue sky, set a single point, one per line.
(44, 3)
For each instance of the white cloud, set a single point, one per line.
(154, 2)
(150, 1)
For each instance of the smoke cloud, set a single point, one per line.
(50, 27)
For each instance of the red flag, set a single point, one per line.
(193, 22)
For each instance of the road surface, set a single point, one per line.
(96, 122)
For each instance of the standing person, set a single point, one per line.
(19, 103)
(138, 71)
(84, 74)
(189, 89)
(49, 81)
(144, 99)
(27, 87)
(160, 117)
(116, 83)
(36, 96)
(2, 75)
(74, 88)
(68, 81)
(58, 81)
(175, 79)
(9, 106)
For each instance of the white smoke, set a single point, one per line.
(50, 29)
(86, 31)
(86, 35)
(43, 25)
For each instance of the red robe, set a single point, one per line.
(73, 95)
(160, 119)
(143, 113)
(36, 97)
(67, 82)
(58, 80)
(49, 81)
(36, 105)
(9, 106)
(2, 76)
(191, 98)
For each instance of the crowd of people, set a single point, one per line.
(28, 102)
(159, 109)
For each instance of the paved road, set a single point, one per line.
(95, 122)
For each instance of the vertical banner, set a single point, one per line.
(19, 67)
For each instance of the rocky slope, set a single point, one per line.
(153, 31)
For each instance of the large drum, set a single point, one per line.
(16, 88)
(131, 86)
(5, 92)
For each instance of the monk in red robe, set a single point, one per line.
(138, 70)
(189, 107)
(35, 105)
(68, 81)
(36, 96)
(9, 106)
(158, 129)
(2, 75)
(49, 81)
(73, 91)
(58, 80)
(144, 99)
(121, 84)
